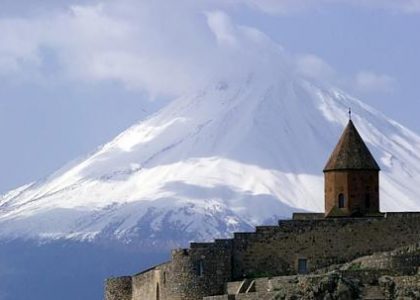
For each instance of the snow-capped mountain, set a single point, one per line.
(226, 158)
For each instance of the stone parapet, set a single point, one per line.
(118, 288)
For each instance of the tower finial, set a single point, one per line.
(349, 113)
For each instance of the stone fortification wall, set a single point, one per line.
(205, 268)
(276, 250)
(118, 288)
(201, 270)
(148, 285)
(191, 274)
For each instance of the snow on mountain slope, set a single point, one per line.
(223, 159)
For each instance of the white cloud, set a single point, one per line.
(222, 27)
(157, 46)
(290, 6)
(368, 81)
(312, 66)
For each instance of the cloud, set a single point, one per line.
(16, 8)
(312, 66)
(366, 82)
(369, 82)
(158, 46)
(222, 27)
(293, 6)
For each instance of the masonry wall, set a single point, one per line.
(276, 250)
(363, 184)
(118, 288)
(356, 186)
(204, 268)
(148, 285)
(335, 183)
(192, 274)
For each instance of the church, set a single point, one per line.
(351, 178)
(339, 254)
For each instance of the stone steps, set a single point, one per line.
(246, 286)
(373, 292)
(246, 296)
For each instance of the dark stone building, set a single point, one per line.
(351, 227)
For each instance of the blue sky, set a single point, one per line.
(76, 73)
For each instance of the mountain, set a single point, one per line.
(223, 159)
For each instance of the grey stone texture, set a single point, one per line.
(119, 288)
(204, 269)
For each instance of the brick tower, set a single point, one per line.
(351, 178)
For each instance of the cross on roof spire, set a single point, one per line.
(351, 153)
(349, 113)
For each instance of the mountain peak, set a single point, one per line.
(210, 163)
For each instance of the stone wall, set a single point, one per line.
(119, 288)
(205, 268)
(147, 285)
(275, 250)
(192, 274)
(356, 186)
(202, 270)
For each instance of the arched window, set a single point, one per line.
(341, 201)
(157, 292)
(367, 200)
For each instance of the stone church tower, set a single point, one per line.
(351, 178)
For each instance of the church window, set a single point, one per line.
(341, 201)
(302, 266)
(367, 200)
(157, 292)
(199, 268)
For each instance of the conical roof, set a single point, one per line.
(351, 153)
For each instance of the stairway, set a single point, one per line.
(247, 286)
(372, 292)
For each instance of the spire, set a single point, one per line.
(351, 152)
